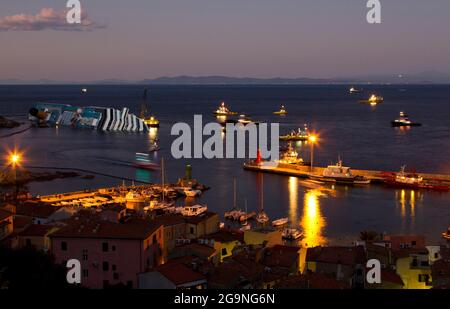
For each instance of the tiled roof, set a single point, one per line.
(37, 230)
(170, 220)
(280, 256)
(179, 274)
(134, 228)
(312, 281)
(22, 222)
(336, 255)
(200, 218)
(36, 210)
(4, 214)
(391, 276)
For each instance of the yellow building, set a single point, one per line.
(414, 269)
(225, 242)
(263, 236)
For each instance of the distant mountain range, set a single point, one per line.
(430, 77)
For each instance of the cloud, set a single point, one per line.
(46, 19)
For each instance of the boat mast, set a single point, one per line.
(234, 193)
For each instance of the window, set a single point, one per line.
(105, 266)
(224, 251)
(113, 267)
(116, 276)
(113, 248)
(191, 230)
(154, 239)
(63, 246)
(413, 242)
(85, 254)
(436, 255)
(424, 278)
(105, 247)
(85, 273)
(28, 242)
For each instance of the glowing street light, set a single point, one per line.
(312, 139)
(14, 160)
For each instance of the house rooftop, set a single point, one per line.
(336, 255)
(37, 230)
(280, 256)
(93, 227)
(312, 281)
(227, 236)
(200, 218)
(36, 210)
(179, 274)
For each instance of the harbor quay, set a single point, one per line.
(304, 171)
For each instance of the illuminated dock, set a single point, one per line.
(303, 171)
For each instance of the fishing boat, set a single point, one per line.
(281, 112)
(446, 234)
(280, 222)
(403, 121)
(373, 99)
(192, 211)
(224, 111)
(291, 234)
(299, 135)
(142, 160)
(340, 174)
(290, 156)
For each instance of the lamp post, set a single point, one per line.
(14, 160)
(312, 139)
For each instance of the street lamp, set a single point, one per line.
(312, 139)
(14, 160)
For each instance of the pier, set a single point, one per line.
(304, 171)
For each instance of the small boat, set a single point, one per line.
(403, 121)
(84, 90)
(224, 111)
(154, 205)
(192, 211)
(446, 234)
(353, 90)
(151, 122)
(143, 161)
(247, 216)
(373, 99)
(245, 227)
(234, 214)
(280, 222)
(290, 156)
(262, 217)
(154, 147)
(299, 135)
(245, 120)
(191, 192)
(281, 112)
(341, 175)
(173, 210)
(291, 234)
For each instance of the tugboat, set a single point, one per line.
(290, 156)
(224, 111)
(281, 112)
(403, 121)
(150, 121)
(414, 181)
(446, 234)
(299, 135)
(373, 99)
(341, 175)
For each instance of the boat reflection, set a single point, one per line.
(293, 200)
(312, 222)
(153, 134)
(403, 202)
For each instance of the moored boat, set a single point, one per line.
(446, 234)
(290, 156)
(280, 222)
(291, 234)
(341, 175)
(299, 135)
(403, 179)
(353, 90)
(247, 216)
(191, 211)
(373, 99)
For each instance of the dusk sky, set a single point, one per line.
(139, 39)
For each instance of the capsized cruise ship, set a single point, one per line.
(92, 117)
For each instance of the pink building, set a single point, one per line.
(111, 250)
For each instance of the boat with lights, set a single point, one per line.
(299, 135)
(340, 174)
(403, 121)
(281, 112)
(224, 111)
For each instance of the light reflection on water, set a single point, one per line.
(313, 222)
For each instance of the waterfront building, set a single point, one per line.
(202, 225)
(267, 236)
(111, 252)
(343, 263)
(440, 270)
(37, 236)
(225, 242)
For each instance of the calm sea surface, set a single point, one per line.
(358, 133)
